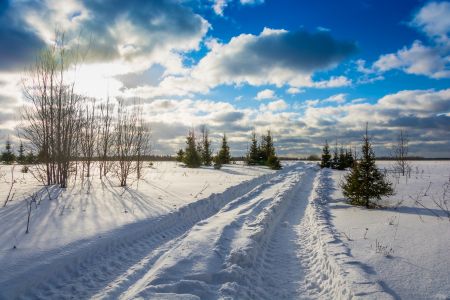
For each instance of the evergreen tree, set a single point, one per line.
(365, 182)
(30, 158)
(269, 149)
(342, 160)
(206, 147)
(272, 160)
(224, 153)
(335, 161)
(349, 160)
(217, 162)
(326, 156)
(253, 152)
(262, 153)
(191, 157)
(8, 156)
(21, 157)
(180, 155)
(200, 150)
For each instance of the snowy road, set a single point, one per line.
(254, 241)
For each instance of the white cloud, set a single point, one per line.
(418, 59)
(275, 57)
(219, 6)
(338, 98)
(294, 91)
(434, 20)
(265, 94)
(276, 105)
(334, 81)
(431, 60)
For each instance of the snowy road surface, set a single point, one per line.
(257, 240)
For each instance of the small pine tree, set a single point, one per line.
(365, 182)
(326, 156)
(268, 148)
(8, 156)
(180, 155)
(335, 160)
(224, 153)
(206, 148)
(217, 162)
(342, 160)
(273, 162)
(21, 158)
(191, 157)
(349, 160)
(253, 152)
(30, 158)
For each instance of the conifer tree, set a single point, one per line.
(206, 147)
(262, 153)
(365, 182)
(326, 156)
(30, 158)
(8, 156)
(180, 155)
(342, 160)
(272, 160)
(224, 153)
(21, 157)
(217, 162)
(253, 152)
(349, 160)
(191, 157)
(335, 160)
(269, 149)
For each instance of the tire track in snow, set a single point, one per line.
(237, 249)
(100, 267)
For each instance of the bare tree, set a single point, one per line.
(52, 116)
(125, 137)
(400, 153)
(30, 201)
(12, 183)
(88, 137)
(142, 142)
(105, 136)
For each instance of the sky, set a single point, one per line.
(309, 71)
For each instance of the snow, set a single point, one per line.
(416, 261)
(236, 233)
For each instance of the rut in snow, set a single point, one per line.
(256, 240)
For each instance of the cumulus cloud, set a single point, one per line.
(274, 57)
(418, 59)
(277, 105)
(220, 5)
(432, 60)
(265, 94)
(294, 91)
(433, 20)
(423, 113)
(136, 31)
(338, 98)
(19, 41)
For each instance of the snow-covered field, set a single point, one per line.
(406, 248)
(239, 233)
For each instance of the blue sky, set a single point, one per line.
(309, 71)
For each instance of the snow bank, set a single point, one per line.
(44, 270)
(405, 247)
(328, 256)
